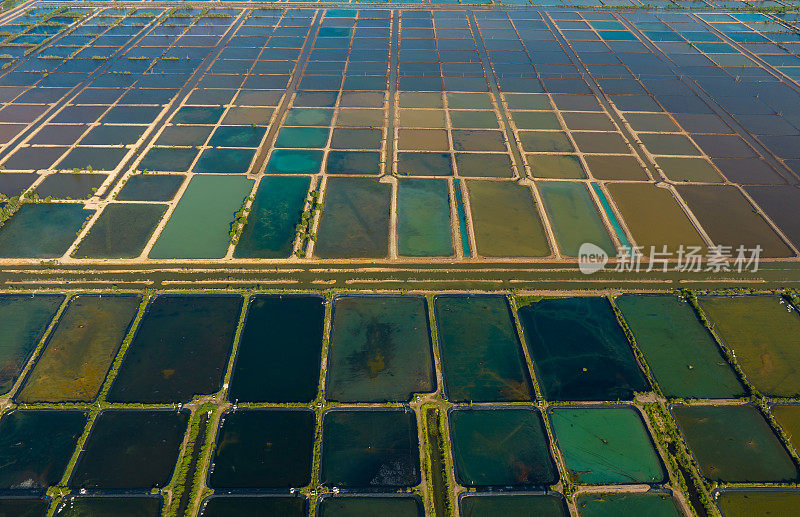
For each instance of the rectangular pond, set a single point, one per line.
(263, 448)
(369, 505)
(180, 349)
(370, 448)
(654, 216)
(23, 321)
(482, 359)
(754, 501)
(278, 357)
(653, 504)
(423, 218)
(200, 225)
(681, 353)
(270, 228)
(36, 446)
(110, 505)
(81, 349)
(121, 231)
(605, 445)
(574, 217)
(579, 351)
(42, 230)
(235, 505)
(764, 332)
(355, 222)
(501, 446)
(513, 505)
(380, 349)
(130, 449)
(734, 444)
(505, 220)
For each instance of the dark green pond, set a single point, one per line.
(81, 349)
(23, 507)
(355, 222)
(753, 502)
(42, 230)
(513, 506)
(36, 445)
(369, 448)
(255, 506)
(579, 350)
(380, 349)
(279, 351)
(764, 335)
(111, 506)
(180, 349)
(423, 218)
(121, 231)
(734, 444)
(681, 354)
(652, 504)
(263, 448)
(604, 445)
(370, 506)
(70, 186)
(130, 449)
(23, 321)
(149, 187)
(482, 359)
(501, 447)
(276, 209)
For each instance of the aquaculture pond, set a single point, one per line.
(151, 187)
(482, 359)
(754, 501)
(579, 350)
(23, 321)
(764, 332)
(180, 349)
(36, 446)
(263, 448)
(788, 417)
(778, 201)
(380, 349)
(729, 219)
(734, 444)
(501, 446)
(110, 506)
(355, 222)
(505, 220)
(42, 230)
(605, 445)
(130, 449)
(80, 349)
(654, 504)
(200, 225)
(516, 505)
(574, 217)
(276, 209)
(369, 448)
(368, 506)
(278, 357)
(236, 505)
(681, 353)
(654, 216)
(24, 506)
(423, 218)
(121, 231)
